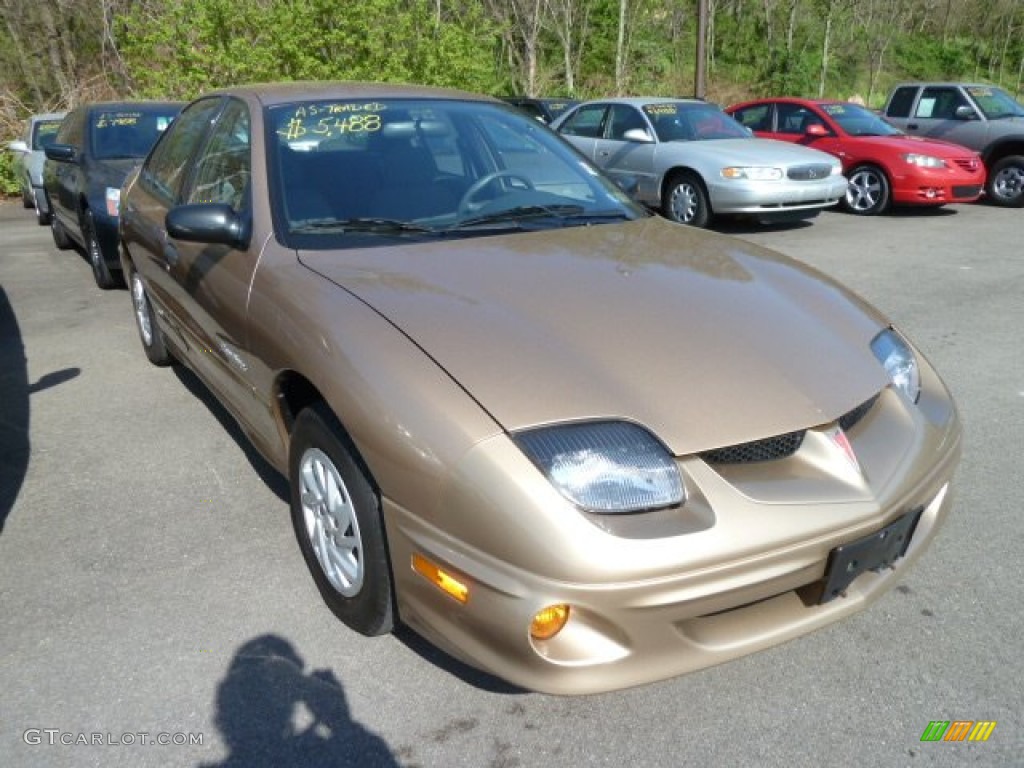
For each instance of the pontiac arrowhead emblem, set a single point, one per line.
(842, 442)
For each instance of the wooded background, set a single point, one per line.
(55, 54)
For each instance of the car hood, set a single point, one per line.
(935, 147)
(111, 173)
(751, 151)
(704, 339)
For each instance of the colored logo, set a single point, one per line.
(958, 730)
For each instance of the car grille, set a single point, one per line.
(779, 446)
(809, 172)
(971, 164)
(966, 191)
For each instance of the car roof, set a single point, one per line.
(43, 116)
(270, 94)
(639, 101)
(96, 106)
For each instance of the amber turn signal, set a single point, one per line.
(440, 578)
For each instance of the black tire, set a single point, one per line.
(42, 217)
(1005, 183)
(869, 192)
(152, 338)
(60, 237)
(348, 534)
(100, 271)
(26, 197)
(686, 200)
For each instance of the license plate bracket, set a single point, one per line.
(871, 553)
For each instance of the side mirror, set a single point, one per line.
(18, 146)
(965, 112)
(639, 135)
(215, 223)
(816, 129)
(62, 153)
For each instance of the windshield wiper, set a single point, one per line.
(361, 224)
(520, 213)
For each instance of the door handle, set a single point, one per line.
(912, 126)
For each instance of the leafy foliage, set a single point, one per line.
(58, 53)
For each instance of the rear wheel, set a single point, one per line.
(60, 237)
(686, 201)
(338, 524)
(868, 193)
(100, 271)
(150, 335)
(26, 196)
(42, 217)
(1005, 185)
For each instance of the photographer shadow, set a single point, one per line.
(272, 713)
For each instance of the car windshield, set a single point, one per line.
(127, 132)
(685, 121)
(858, 121)
(995, 102)
(44, 132)
(359, 172)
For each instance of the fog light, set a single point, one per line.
(440, 578)
(549, 621)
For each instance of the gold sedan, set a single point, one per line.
(575, 445)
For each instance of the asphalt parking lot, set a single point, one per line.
(156, 610)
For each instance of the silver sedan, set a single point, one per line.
(692, 161)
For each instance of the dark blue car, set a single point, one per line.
(97, 146)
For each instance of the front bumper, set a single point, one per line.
(938, 187)
(649, 608)
(760, 197)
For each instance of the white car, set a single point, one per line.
(692, 161)
(40, 130)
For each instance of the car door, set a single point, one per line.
(210, 281)
(624, 155)
(161, 186)
(935, 115)
(63, 178)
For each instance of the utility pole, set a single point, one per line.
(700, 76)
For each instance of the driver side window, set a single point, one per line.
(223, 170)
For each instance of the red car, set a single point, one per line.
(884, 166)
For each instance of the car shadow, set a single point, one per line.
(729, 225)
(15, 393)
(271, 711)
(273, 479)
(467, 674)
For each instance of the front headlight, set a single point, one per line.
(924, 161)
(754, 173)
(611, 467)
(899, 362)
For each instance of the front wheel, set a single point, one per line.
(338, 523)
(686, 201)
(868, 192)
(1005, 185)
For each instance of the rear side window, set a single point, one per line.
(901, 102)
(167, 167)
(756, 118)
(585, 122)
